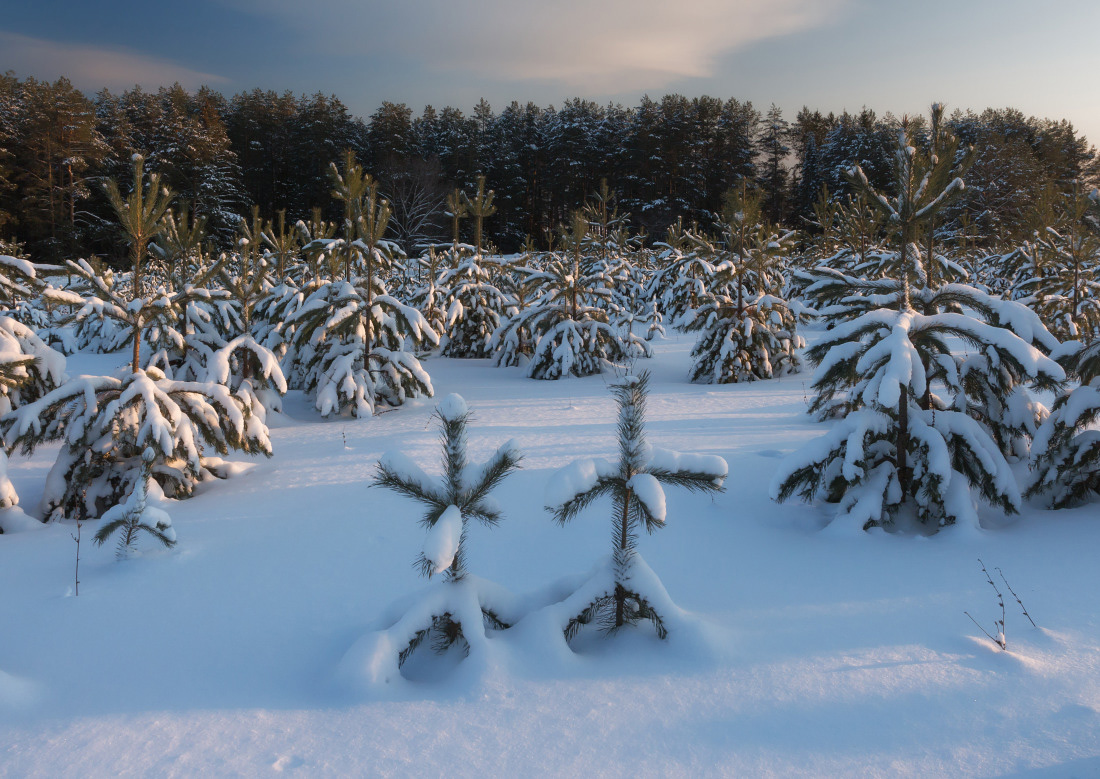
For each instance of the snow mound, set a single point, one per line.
(453, 408)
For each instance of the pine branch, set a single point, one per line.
(395, 481)
(579, 503)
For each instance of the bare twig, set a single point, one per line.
(76, 577)
(1023, 608)
(999, 642)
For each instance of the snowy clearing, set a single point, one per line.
(812, 654)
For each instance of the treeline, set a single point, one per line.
(666, 160)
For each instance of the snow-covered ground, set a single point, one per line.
(814, 654)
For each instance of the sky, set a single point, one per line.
(831, 55)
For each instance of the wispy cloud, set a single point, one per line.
(594, 45)
(93, 67)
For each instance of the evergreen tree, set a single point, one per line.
(474, 309)
(480, 207)
(899, 444)
(1065, 454)
(105, 423)
(626, 591)
(460, 612)
(772, 143)
(57, 152)
(136, 517)
(351, 333)
(747, 331)
(140, 214)
(574, 334)
(1060, 278)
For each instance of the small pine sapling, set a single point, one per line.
(136, 516)
(460, 611)
(627, 591)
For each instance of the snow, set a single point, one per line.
(793, 652)
(441, 544)
(678, 462)
(649, 491)
(576, 479)
(453, 407)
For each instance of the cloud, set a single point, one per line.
(93, 67)
(595, 45)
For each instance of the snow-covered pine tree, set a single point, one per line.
(106, 423)
(429, 297)
(520, 281)
(1065, 454)
(353, 337)
(1061, 281)
(679, 285)
(746, 330)
(574, 334)
(29, 368)
(180, 245)
(610, 248)
(625, 590)
(981, 384)
(304, 272)
(464, 606)
(136, 517)
(27, 297)
(474, 309)
(141, 214)
(898, 444)
(247, 367)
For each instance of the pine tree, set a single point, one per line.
(458, 612)
(105, 424)
(894, 447)
(352, 336)
(899, 444)
(746, 331)
(1061, 278)
(180, 245)
(480, 207)
(681, 282)
(574, 334)
(141, 215)
(474, 309)
(772, 143)
(627, 592)
(136, 517)
(1065, 454)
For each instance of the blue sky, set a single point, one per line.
(890, 55)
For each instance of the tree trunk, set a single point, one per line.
(902, 443)
(136, 365)
(624, 528)
(139, 251)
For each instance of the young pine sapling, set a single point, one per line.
(457, 612)
(136, 516)
(628, 591)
